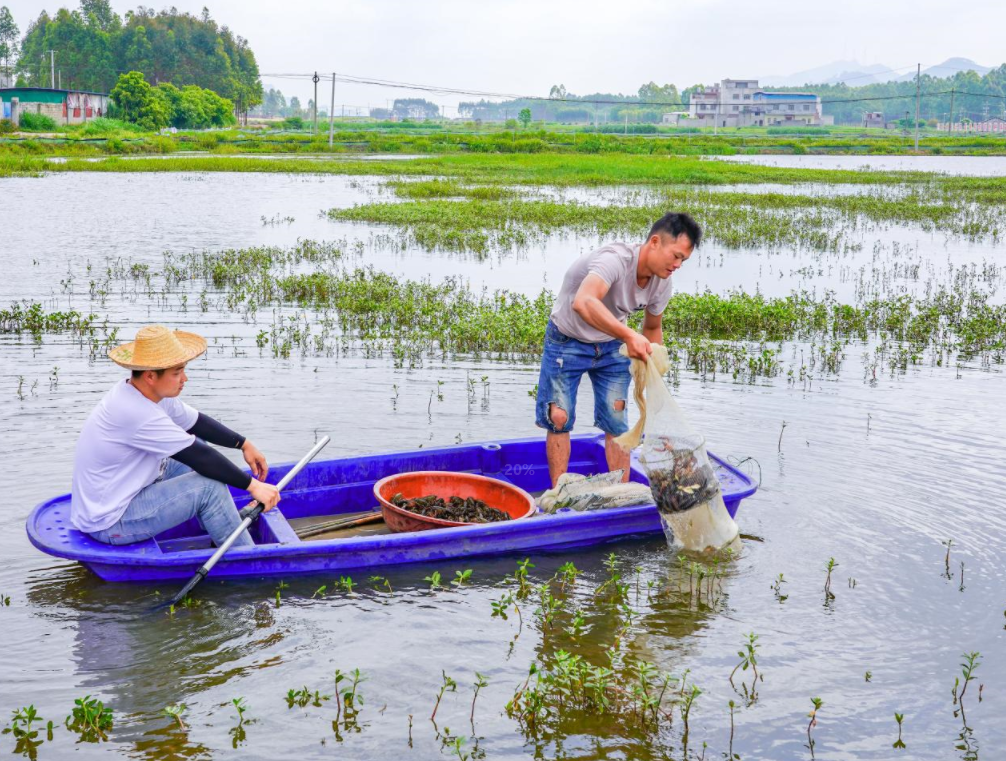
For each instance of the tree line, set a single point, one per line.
(564, 106)
(975, 97)
(95, 46)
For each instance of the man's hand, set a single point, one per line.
(256, 460)
(638, 347)
(267, 494)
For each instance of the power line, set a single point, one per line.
(350, 79)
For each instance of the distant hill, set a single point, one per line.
(855, 74)
(949, 68)
(830, 73)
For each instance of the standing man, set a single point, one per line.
(142, 466)
(588, 325)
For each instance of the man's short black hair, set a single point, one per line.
(674, 224)
(137, 374)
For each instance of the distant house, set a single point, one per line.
(64, 106)
(995, 124)
(741, 103)
(674, 118)
(873, 119)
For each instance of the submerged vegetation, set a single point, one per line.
(322, 304)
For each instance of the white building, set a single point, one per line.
(740, 103)
(674, 118)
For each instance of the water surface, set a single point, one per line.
(874, 474)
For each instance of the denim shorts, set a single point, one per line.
(563, 364)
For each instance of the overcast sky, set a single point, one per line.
(525, 46)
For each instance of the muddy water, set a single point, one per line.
(876, 475)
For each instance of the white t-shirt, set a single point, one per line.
(123, 448)
(616, 265)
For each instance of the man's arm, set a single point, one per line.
(588, 305)
(208, 462)
(653, 328)
(208, 429)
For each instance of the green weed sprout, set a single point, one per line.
(448, 685)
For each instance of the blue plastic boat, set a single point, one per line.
(333, 487)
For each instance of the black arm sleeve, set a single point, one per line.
(208, 429)
(208, 462)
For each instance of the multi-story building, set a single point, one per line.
(740, 103)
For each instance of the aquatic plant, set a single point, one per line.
(817, 703)
(278, 593)
(748, 659)
(831, 566)
(240, 706)
(576, 626)
(730, 748)
(381, 581)
(461, 577)
(777, 588)
(175, 712)
(434, 579)
(548, 606)
(686, 709)
(90, 718)
(899, 743)
(448, 685)
(301, 697)
(26, 739)
(500, 607)
(346, 583)
(349, 698)
(971, 662)
(480, 682)
(520, 576)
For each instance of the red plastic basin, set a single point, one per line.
(499, 494)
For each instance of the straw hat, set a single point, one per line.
(157, 348)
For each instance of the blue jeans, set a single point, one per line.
(180, 494)
(563, 364)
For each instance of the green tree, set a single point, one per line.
(136, 101)
(99, 14)
(654, 93)
(94, 45)
(8, 37)
(525, 117)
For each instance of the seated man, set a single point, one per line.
(141, 465)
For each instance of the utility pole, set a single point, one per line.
(331, 115)
(918, 84)
(626, 122)
(950, 123)
(315, 79)
(52, 69)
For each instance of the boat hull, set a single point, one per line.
(345, 486)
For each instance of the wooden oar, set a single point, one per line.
(250, 512)
(346, 521)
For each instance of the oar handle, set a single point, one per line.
(249, 513)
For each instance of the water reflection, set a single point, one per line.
(141, 658)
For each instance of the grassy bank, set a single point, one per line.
(557, 170)
(107, 137)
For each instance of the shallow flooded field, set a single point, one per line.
(876, 464)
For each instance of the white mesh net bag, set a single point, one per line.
(682, 479)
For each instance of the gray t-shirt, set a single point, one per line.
(615, 264)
